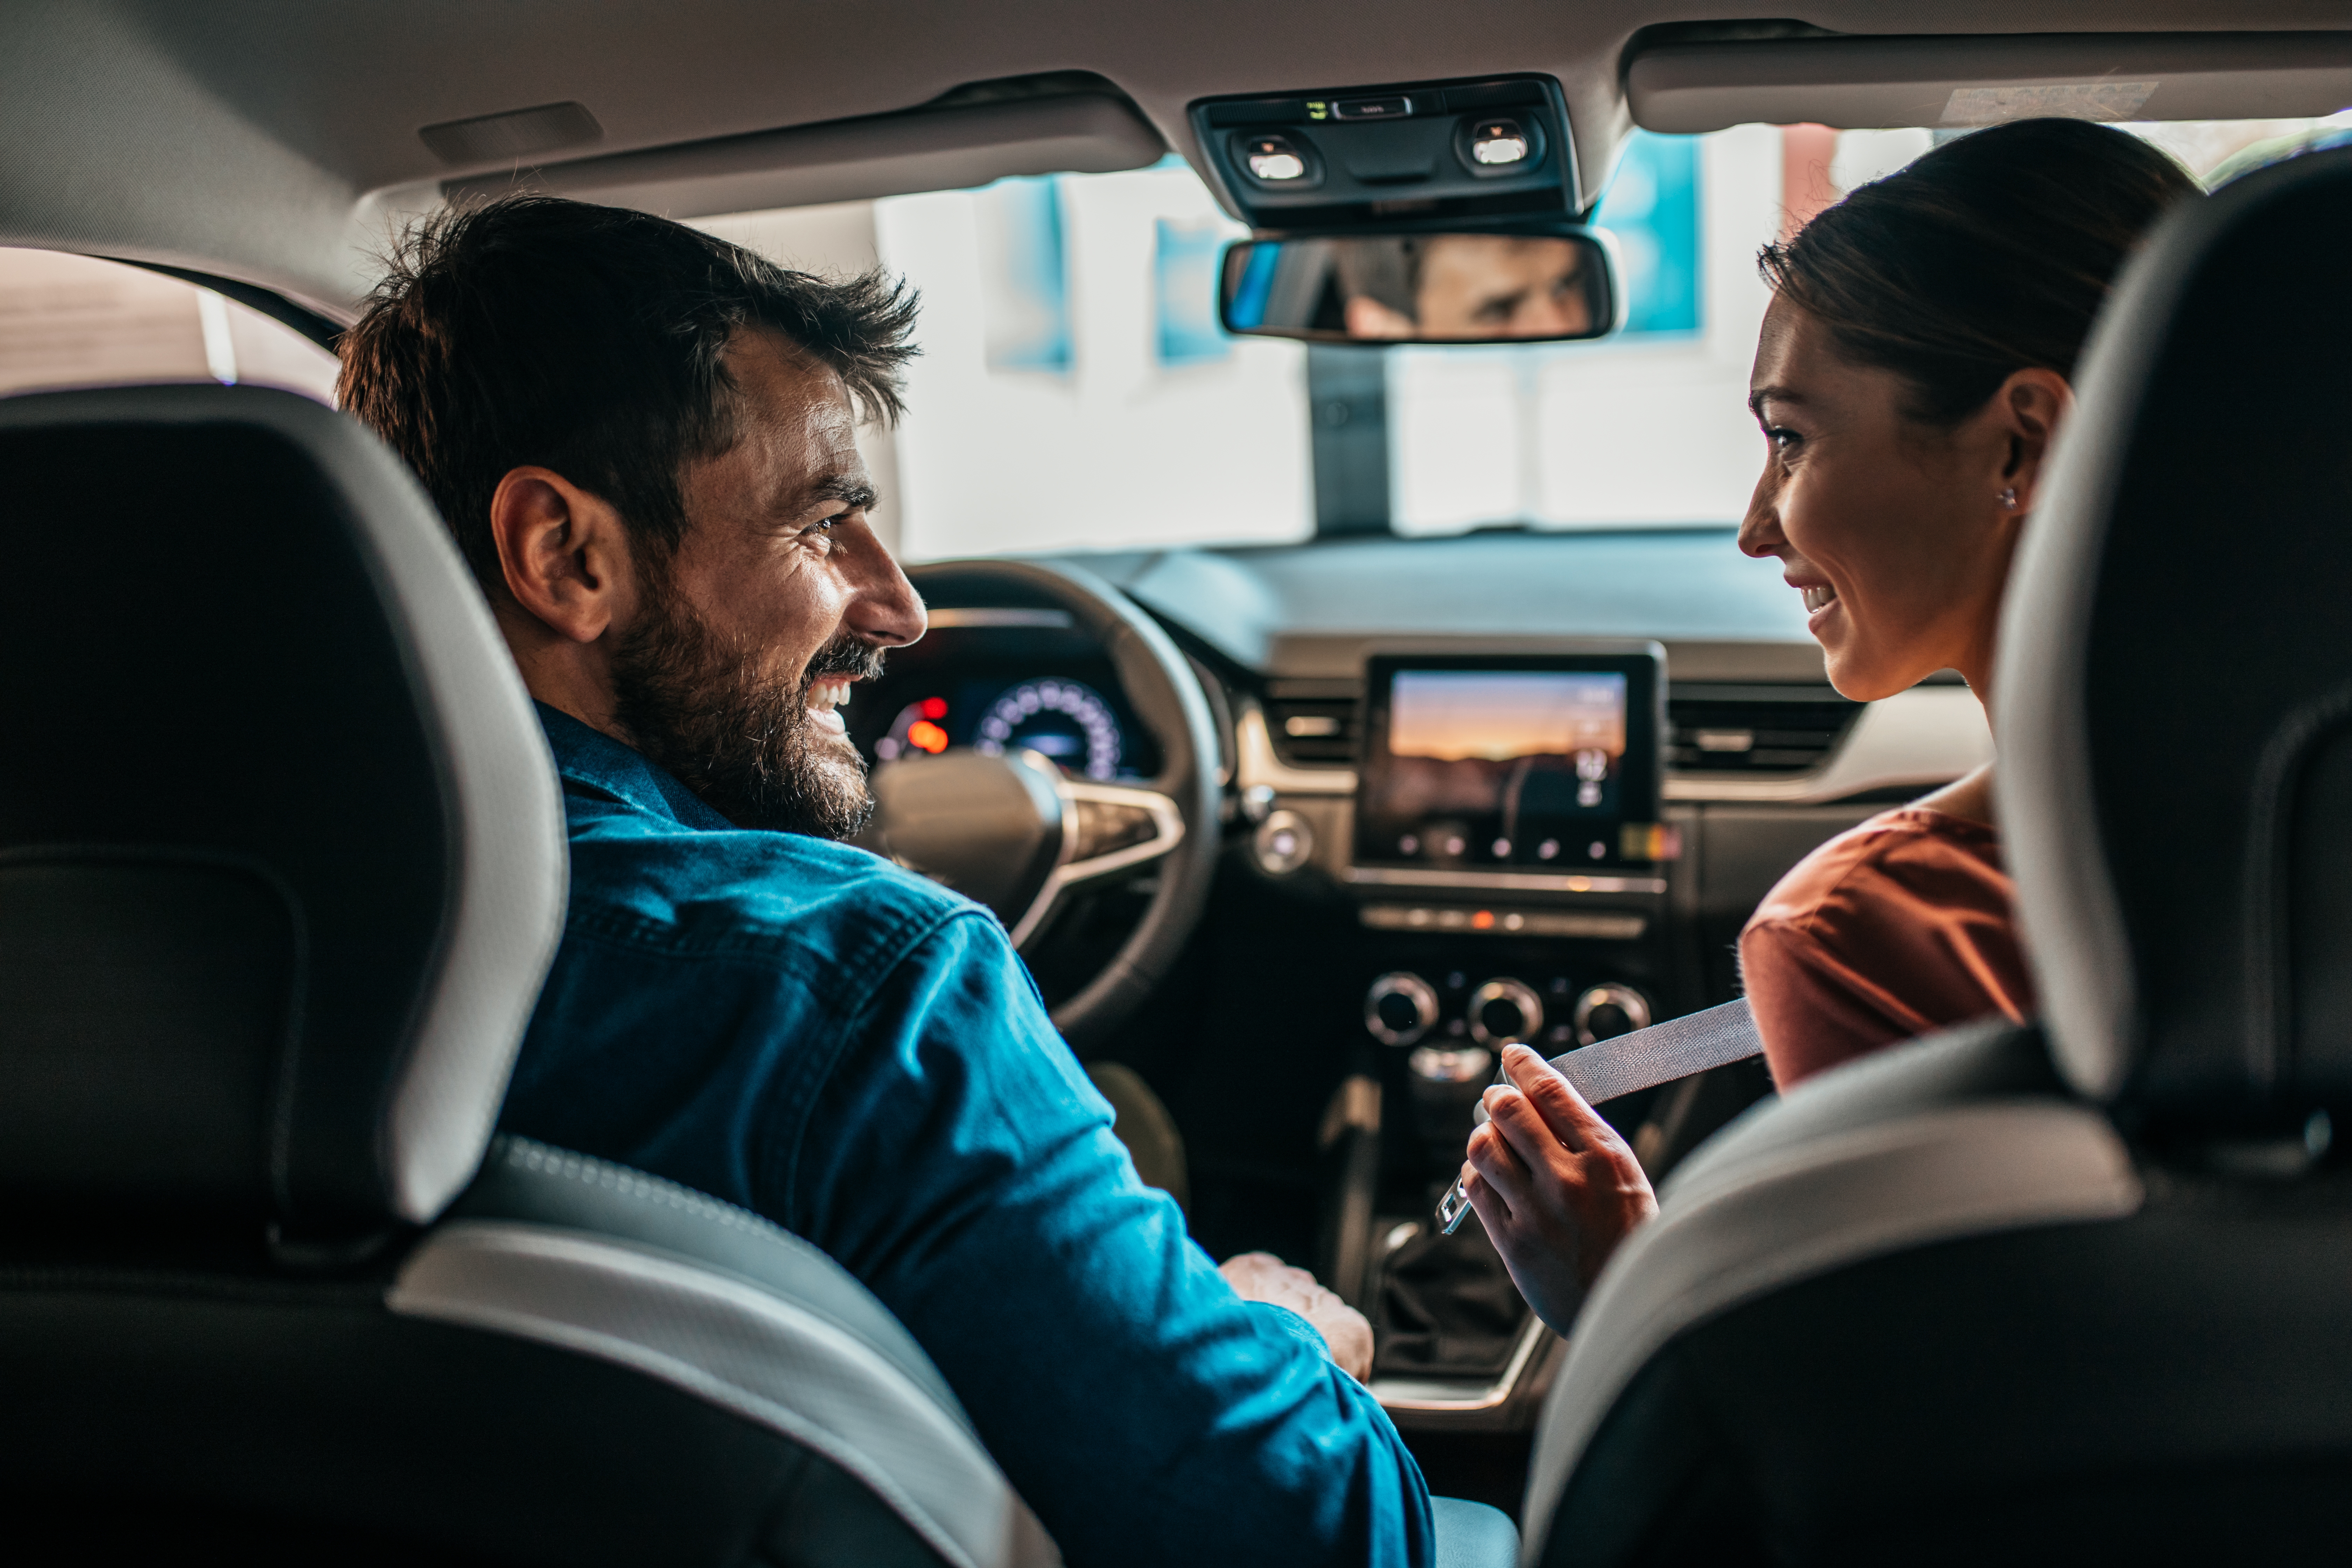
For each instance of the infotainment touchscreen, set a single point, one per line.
(1535, 764)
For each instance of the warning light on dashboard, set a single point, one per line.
(1648, 841)
(1483, 921)
(935, 707)
(924, 735)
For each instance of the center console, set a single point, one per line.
(1504, 850)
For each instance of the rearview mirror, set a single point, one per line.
(1456, 287)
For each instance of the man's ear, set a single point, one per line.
(563, 552)
(1368, 318)
(2031, 406)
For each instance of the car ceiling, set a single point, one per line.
(277, 141)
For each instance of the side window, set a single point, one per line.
(74, 321)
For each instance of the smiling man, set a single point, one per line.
(644, 439)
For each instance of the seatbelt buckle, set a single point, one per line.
(1677, 1048)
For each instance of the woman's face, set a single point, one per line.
(1897, 533)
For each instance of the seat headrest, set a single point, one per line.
(281, 855)
(2173, 702)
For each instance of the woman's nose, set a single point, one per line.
(1760, 530)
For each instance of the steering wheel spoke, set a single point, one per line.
(1012, 832)
(1108, 830)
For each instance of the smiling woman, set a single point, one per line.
(1911, 376)
(1912, 373)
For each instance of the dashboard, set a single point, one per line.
(1492, 788)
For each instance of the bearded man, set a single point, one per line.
(644, 439)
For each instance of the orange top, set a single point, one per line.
(1895, 926)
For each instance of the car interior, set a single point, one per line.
(1330, 680)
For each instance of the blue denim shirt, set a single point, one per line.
(802, 1028)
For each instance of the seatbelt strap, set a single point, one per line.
(1608, 1069)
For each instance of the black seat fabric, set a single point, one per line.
(2081, 1291)
(281, 869)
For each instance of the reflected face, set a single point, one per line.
(1884, 525)
(1486, 287)
(1498, 286)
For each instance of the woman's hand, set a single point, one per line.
(1555, 1185)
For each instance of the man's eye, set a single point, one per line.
(1781, 439)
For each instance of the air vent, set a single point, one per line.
(1312, 732)
(1741, 729)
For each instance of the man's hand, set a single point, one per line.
(1555, 1185)
(1263, 1277)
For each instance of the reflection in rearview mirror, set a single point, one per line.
(1444, 287)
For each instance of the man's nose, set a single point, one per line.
(885, 608)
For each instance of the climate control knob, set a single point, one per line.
(1504, 1012)
(1399, 1008)
(1606, 1011)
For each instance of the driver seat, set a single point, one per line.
(2081, 1291)
(282, 866)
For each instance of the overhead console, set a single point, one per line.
(1494, 148)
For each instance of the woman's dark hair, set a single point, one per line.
(1990, 255)
(589, 340)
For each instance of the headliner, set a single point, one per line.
(273, 141)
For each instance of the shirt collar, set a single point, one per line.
(589, 757)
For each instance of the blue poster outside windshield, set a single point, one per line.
(1652, 206)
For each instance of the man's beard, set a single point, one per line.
(695, 703)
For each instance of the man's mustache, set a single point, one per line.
(846, 655)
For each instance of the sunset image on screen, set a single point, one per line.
(1496, 715)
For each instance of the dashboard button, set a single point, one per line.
(1504, 1012)
(1399, 1008)
(1283, 843)
(1606, 1011)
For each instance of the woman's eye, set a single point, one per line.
(1782, 441)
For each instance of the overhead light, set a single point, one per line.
(1272, 159)
(1497, 142)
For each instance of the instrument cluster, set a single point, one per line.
(1076, 720)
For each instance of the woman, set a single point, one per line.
(1910, 377)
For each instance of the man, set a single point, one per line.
(1466, 286)
(643, 440)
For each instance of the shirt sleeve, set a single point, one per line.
(961, 1164)
(1813, 1010)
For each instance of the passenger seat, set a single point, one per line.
(2083, 1291)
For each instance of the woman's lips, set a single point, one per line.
(1819, 596)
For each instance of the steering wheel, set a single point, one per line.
(1014, 833)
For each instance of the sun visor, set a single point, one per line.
(1870, 82)
(928, 149)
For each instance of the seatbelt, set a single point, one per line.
(1644, 1059)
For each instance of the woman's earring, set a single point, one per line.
(2009, 499)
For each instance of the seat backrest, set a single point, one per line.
(282, 857)
(281, 871)
(2047, 1296)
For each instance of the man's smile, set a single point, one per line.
(825, 698)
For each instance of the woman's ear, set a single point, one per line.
(563, 552)
(2029, 409)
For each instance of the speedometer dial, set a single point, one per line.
(1066, 720)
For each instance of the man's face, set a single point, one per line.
(1498, 286)
(780, 598)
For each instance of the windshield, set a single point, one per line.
(1075, 393)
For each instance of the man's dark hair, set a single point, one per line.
(1383, 269)
(589, 340)
(1991, 255)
